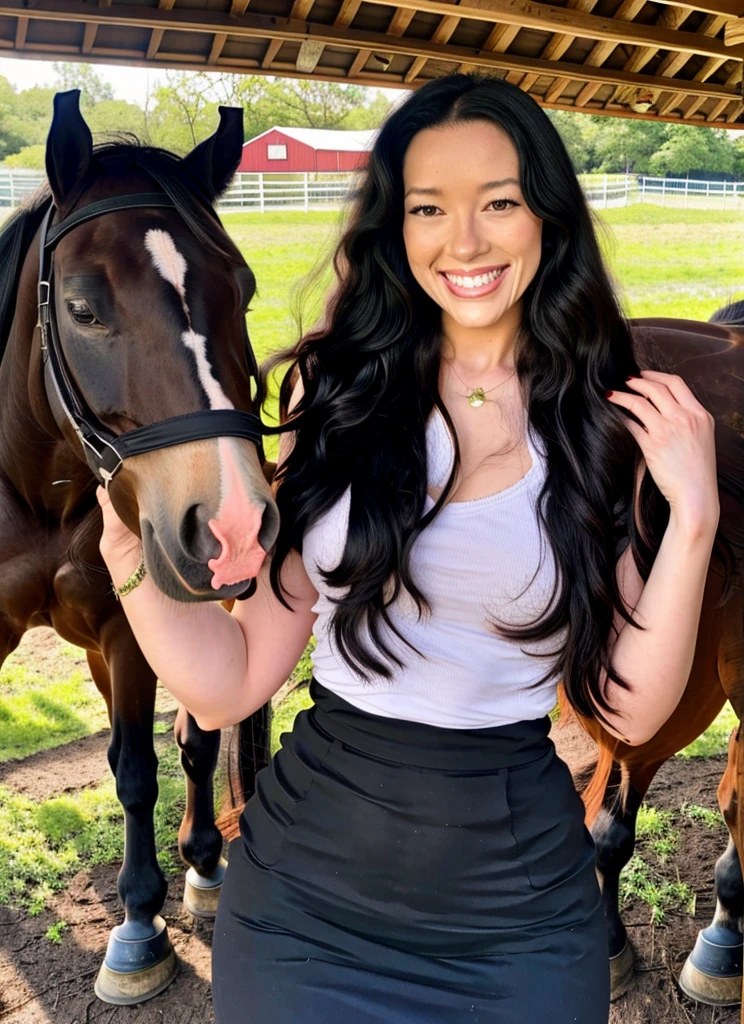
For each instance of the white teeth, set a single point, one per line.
(475, 282)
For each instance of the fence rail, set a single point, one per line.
(316, 192)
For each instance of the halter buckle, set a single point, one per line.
(43, 294)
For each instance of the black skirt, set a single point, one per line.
(390, 871)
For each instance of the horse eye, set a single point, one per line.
(81, 312)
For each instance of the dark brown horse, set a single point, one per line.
(711, 360)
(147, 310)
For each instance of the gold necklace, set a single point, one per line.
(477, 396)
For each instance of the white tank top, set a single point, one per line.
(473, 563)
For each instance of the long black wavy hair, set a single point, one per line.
(370, 374)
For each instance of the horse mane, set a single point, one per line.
(732, 314)
(15, 239)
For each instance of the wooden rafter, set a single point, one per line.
(156, 36)
(671, 18)
(695, 102)
(596, 58)
(558, 44)
(442, 34)
(399, 22)
(237, 8)
(20, 35)
(674, 63)
(525, 13)
(343, 19)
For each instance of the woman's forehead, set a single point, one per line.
(468, 149)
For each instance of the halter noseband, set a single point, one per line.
(105, 451)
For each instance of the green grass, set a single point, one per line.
(38, 711)
(643, 881)
(674, 263)
(715, 738)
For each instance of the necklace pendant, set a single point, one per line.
(477, 397)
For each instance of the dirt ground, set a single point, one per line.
(41, 982)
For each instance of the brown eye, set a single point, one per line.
(81, 312)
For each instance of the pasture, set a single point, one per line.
(60, 824)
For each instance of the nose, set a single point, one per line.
(233, 547)
(467, 240)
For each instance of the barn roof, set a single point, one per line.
(651, 59)
(325, 138)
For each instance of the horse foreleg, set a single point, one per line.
(199, 839)
(139, 961)
(613, 831)
(712, 973)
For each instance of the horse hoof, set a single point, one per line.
(621, 972)
(140, 962)
(201, 892)
(712, 973)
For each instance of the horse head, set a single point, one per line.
(148, 305)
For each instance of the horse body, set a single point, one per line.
(149, 307)
(710, 358)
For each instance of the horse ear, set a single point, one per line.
(69, 146)
(214, 161)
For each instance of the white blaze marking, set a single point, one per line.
(172, 266)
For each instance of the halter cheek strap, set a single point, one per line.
(104, 450)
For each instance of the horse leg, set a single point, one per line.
(613, 831)
(199, 839)
(140, 961)
(712, 973)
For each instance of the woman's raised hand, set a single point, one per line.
(678, 443)
(121, 549)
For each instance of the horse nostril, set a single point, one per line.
(269, 525)
(197, 540)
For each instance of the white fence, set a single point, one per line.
(315, 192)
(606, 191)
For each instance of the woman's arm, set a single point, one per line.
(657, 660)
(220, 666)
(677, 439)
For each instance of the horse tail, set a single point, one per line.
(593, 793)
(248, 751)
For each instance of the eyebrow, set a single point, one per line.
(481, 188)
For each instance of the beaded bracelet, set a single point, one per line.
(134, 581)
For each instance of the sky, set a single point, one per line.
(128, 83)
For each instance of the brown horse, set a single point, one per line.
(139, 300)
(711, 360)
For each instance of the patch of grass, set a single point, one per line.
(656, 828)
(703, 815)
(715, 738)
(679, 265)
(642, 881)
(42, 846)
(284, 715)
(55, 931)
(37, 712)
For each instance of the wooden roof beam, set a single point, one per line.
(237, 8)
(156, 36)
(525, 13)
(399, 22)
(441, 34)
(597, 56)
(717, 110)
(89, 33)
(672, 18)
(546, 18)
(558, 45)
(20, 33)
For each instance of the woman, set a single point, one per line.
(459, 531)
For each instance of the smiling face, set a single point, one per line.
(472, 242)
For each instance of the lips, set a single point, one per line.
(475, 283)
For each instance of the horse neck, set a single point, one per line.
(33, 451)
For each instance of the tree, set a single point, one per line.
(92, 87)
(185, 112)
(689, 148)
(572, 130)
(112, 117)
(30, 158)
(622, 145)
(313, 104)
(371, 115)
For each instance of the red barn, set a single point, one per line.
(306, 149)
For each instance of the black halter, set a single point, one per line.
(104, 450)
